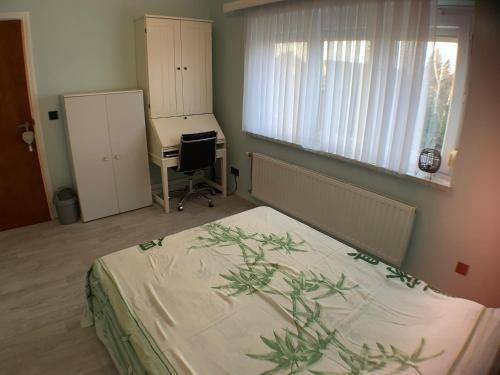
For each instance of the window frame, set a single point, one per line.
(457, 24)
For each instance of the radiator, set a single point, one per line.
(368, 221)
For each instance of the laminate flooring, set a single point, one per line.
(42, 275)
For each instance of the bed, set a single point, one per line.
(261, 293)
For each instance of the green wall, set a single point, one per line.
(88, 45)
(85, 45)
(463, 224)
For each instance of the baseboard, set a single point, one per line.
(248, 197)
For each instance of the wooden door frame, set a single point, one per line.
(24, 17)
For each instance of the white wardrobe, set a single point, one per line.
(107, 139)
(174, 65)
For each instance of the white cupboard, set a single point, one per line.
(107, 139)
(174, 65)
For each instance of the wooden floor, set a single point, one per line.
(42, 270)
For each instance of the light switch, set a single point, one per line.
(53, 115)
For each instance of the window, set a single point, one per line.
(441, 62)
(444, 91)
(372, 81)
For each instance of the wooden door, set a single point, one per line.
(86, 119)
(164, 67)
(22, 194)
(127, 131)
(196, 39)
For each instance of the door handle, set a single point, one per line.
(28, 138)
(25, 125)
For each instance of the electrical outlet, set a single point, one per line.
(235, 171)
(462, 268)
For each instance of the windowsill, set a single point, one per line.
(437, 181)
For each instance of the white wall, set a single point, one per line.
(461, 225)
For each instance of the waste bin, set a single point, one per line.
(66, 205)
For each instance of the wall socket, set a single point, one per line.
(462, 268)
(235, 171)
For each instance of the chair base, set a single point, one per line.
(195, 190)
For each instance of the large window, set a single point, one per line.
(375, 81)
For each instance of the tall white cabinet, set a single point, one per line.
(174, 68)
(107, 138)
(174, 65)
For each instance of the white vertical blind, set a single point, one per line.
(343, 77)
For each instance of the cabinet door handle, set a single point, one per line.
(178, 68)
(185, 68)
(117, 157)
(105, 158)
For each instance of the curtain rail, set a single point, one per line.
(236, 5)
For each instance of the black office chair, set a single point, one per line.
(197, 151)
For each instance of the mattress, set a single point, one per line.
(261, 293)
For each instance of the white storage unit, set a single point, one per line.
(174, 68)
(174, 65)
(107, 139)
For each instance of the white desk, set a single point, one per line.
(163, 141)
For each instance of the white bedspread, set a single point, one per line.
(259, 291)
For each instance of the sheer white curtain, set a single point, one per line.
(343, 77)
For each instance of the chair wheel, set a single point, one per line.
(210, 203)
(180, 207)
(212, 192)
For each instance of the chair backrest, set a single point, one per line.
(197, 151)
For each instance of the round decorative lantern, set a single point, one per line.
(429, 160)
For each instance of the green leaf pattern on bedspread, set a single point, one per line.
(395, 273)
(365, 257)
(151, 244)
(403, 276)
(298, 349)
